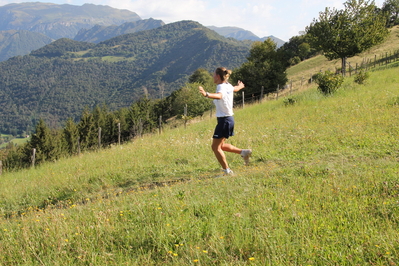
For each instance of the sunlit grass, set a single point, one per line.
(322, 189)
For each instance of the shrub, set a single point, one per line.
(289, 101)
(328, 82)
(361, 77)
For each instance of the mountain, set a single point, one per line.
(28, 26)
(59, 21)
(20, 42)
(59, 80)
(241, 34)
(278, 41)
(101, 33)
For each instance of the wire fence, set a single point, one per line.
(386, 59)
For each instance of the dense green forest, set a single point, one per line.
(58, 81)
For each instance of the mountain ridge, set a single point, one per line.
(59, 80)
(89, 22)
(242, 34)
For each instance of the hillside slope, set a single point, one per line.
(319, 63)
(101, 33)
(59, 80)
(60, 21)
(241, 34)
(20, 42)
(322, 188)
(25, 27)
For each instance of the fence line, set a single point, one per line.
(367, 64)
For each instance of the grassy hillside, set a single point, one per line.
(320, 63)
(322, 189)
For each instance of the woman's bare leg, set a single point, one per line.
(219, 147)
(230, 148)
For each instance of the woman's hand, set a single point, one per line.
(239, 86)
(202, 91)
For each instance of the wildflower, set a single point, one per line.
(252, 258)
(175, 255)
(195, 260)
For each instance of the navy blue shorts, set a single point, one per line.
(224, 128)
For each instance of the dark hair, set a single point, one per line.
(223, 73)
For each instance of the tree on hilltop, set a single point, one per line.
(265, 67)
(391, 10)
(348, 32)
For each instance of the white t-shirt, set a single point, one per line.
(224, 106)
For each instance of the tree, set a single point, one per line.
(391, 10)
(265, 67)
(46, 143)
(203, 77)
(88, 133)
(297, 49)
(189, 95)
(70, 136)
(346, 33)
(142, 116)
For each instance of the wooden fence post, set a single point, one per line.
(185, 116)
(33, 157)
(119, 133)
(243, 99)
(1, 167)
(261, 93)
(278, 88)
(99, 137)
(291, 87)
(160, 124)
(78, 145)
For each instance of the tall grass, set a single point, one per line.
(322, 189)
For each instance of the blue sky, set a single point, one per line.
(280, 18)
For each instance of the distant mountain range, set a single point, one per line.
(28, 26)
(100, 33)
(60, 79)
(59, 59)
(241, 34)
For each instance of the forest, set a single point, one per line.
(59, 80)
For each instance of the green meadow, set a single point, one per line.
(322, 189)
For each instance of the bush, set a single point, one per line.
(361, 77)
(328, 82)
(289, 101)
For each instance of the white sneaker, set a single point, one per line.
(245, 154)
(228, 171)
